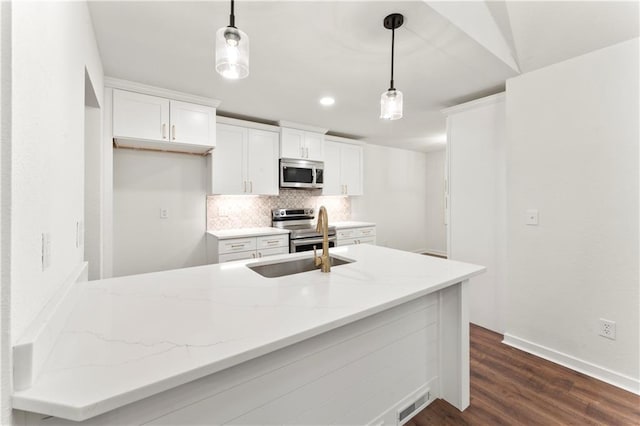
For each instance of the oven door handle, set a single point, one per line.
(307, 241)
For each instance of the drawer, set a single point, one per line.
(346, 233)
(236, 256)
(273, 241)
(345, 242)
(272, 251)
(365, 232)
(236, 245)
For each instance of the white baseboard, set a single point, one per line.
(608, 376)
(34, 347)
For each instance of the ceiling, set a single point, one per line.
(303, 50)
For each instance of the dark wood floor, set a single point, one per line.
(511, 387)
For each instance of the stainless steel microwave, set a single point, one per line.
(302, 174)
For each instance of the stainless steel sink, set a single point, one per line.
(290, 267)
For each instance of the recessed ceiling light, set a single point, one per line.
(327, 101)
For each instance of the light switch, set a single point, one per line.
(531, 217)
(164, 213)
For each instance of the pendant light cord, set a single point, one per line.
(232, 17)
(393, 33)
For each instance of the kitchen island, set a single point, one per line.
(220, 344)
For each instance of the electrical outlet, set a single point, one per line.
(608, 329)
(164, 213)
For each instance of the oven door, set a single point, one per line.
(307, 244)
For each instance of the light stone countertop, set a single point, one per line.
(247, 232)
(351, 224)
(132, 337)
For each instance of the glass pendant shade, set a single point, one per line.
(232, 53)
(391, 105)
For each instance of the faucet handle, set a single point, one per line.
(316, 260)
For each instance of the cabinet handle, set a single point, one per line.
(253, 255)
(272, 242)
(301, 152)
(307, 153)
(244, 186)
(164, 130)
(173, 131)
(237, 245)
(259, 254)
(346, 189)
(250, 186)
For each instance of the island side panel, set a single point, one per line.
(361, 371)
(454, 345)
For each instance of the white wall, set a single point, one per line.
(5, 213)
(573, 154)
(477, 231)
(436, 228)
(143, 183)
(52, 44)
(394, 197)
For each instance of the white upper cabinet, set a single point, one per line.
(193, 124)
(145, 121)
(140, 116)
(342, 168)
(245, 161)
(301, 144)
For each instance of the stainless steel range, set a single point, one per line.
(303, 235)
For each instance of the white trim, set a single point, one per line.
(488, 100)
(132, 86)
(292, 125)
(343, 140)
(248, 124)
(613, 378)
(33, 349)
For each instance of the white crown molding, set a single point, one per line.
(343, 140)
(132, 86)
(299, 126)
(488, 100)
(245, 123)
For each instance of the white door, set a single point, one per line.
(193, 124)
(291, 143)
(314, 146)
(351, 168)
(228, 160)
(332, 180)
(262, 162)
(138, 116)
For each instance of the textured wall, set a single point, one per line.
(52, 45)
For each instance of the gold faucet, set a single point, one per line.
(323, 226)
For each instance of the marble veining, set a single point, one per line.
(132, 337)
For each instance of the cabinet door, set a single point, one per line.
(228, 161)
(332, 181)
(262, 162)
(292, 143)
(229, 257)
(137, 116)
(314, 146)
(193, 124)
(351, 168)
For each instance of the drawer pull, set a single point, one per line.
(237, 245)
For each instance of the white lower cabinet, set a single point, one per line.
(227, 250)
(349, 236)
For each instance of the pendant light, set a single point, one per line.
(232, 50)
(391, 100)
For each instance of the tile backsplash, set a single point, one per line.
(239, 211)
